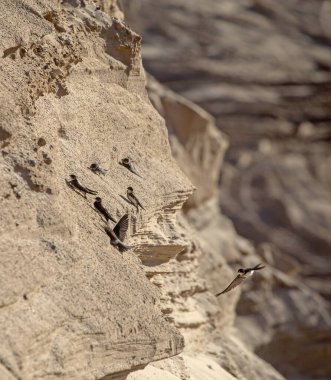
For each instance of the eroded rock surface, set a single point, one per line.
(72, 306)
(73, 93)
(189, 281)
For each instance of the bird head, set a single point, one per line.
(94, 166)
(98, 199)
(72, 176)
(125, 161)
(241, 270)
(130, 189)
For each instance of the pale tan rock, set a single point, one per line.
(73, 93)
(112, 7)
(72, 306)
(152, 373)
(196, 144)
(203, 367)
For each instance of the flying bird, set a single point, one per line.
(126, 162)
(99, 206)
(74, 183)
(133, 199)
(241, 276)
(97, 170)
(117, 234)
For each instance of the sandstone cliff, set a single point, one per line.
(74, 307)
(73, 93)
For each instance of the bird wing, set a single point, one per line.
(237, 281)
(107, 214)
(90, 191)
(121, 227)
(257, 267)
(137, 202)
(122, 247)
(132, 199)
(140, 205)
(83, 188)
(76, 184)
(110, 233)
(103, 211)
(134, 170)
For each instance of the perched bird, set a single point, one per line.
(132, 198)
(99, 206)
(75, 183)
(97, 170)
(241, 276)
(126, 162)
(117, 234)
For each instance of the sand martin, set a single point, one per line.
(97, 170)
(132, 198)
(99, 206)
(75, 183)
(117, 234)
(126, 162)
(241, 276)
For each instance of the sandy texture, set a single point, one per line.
(73, 93)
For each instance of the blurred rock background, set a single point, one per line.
(262, 70)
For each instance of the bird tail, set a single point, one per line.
(218, 294)
(258, 266)
(109, 217)
(139, 204)
(125, 248)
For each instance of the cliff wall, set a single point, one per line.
(73, 93)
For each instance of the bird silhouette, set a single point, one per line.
(243, 273)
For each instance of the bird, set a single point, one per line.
(99, 206)
(117, 234)
(97, 170)
(126, 162)
(75, 183)
(132, 198)
(243, 273)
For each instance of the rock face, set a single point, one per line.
(72, 94)
(71, 305)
